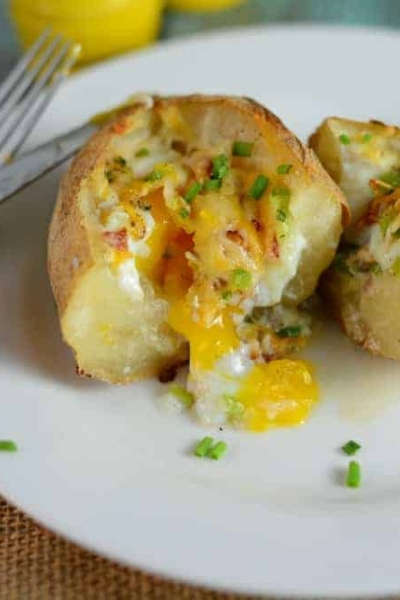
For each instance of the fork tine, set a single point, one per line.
(20, 67)
(20, 89)
(31, 118)
(33, 93)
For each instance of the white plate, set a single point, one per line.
(102, 466)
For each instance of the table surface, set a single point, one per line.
(35, 563)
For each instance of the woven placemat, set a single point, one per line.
(38, 565)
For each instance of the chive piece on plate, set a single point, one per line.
(226, 295)
(220, 166)
(344, 138)
(258, 187)
(353, 478)
(217, 451)
(367, 137)
(241, 279)
(183, 213)
(155, 175)
(283, 169)
(351, 447)
(192, 192)
(242, 148)
(8, 446)
(280, 215)
(204, 446)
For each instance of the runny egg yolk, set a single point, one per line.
(281, 392)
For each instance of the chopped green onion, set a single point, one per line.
(8, 446)
(258, 187)
(367, 137)
(212, 184)
(185, 397)
(351, 447)
(280, 215)
(392, 178)
(220, 166)
(142, 152)
(203, 447)
(109, 175)
(218, 451)
(119, 160)
(242, 148)
(184, 213)
(291, 331)
(353, 478)
(235, 408)
(344, 138)
(241, 279)
(281, 192)
(192, 192)
(283, 169)
(226, 295)
(155, 175)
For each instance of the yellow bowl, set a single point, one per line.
(202, 5)
(102, 27)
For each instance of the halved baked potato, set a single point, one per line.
(178, 220)
(362, 287)
(363, 159)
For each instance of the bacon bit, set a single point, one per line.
(257, 225)
(275, 250)
(236, 237)
(117, 239)
(120, 127)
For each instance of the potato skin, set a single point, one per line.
(72, 256)
(366, 307)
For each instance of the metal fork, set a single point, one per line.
(28, 89)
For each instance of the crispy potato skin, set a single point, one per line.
(71, 255)
(360, 304)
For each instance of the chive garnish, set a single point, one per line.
(242, 148)
(212, 184)
(142, 152)
(258, 187)
(155, 175)
(353, 478)
(283, 169)
(185, 397)
(351, 447)
(192, 192)
(344, 138)
(184, 213)
(280, 215)
(367, 137)
(119, 160)
(8, 446)
(241, 279)
(226, 295)
(291, 331)
(220, 166)
(204, 446)
(217, 451)
(281, 192)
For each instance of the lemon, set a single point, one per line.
(101, 27)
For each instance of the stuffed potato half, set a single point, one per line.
(190, 219)
(362, 287)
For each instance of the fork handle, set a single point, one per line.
(35, 163)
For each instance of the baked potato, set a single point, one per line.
(190, 220)
(363, 159)
(362, 287)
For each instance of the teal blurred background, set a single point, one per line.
(346, 12)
